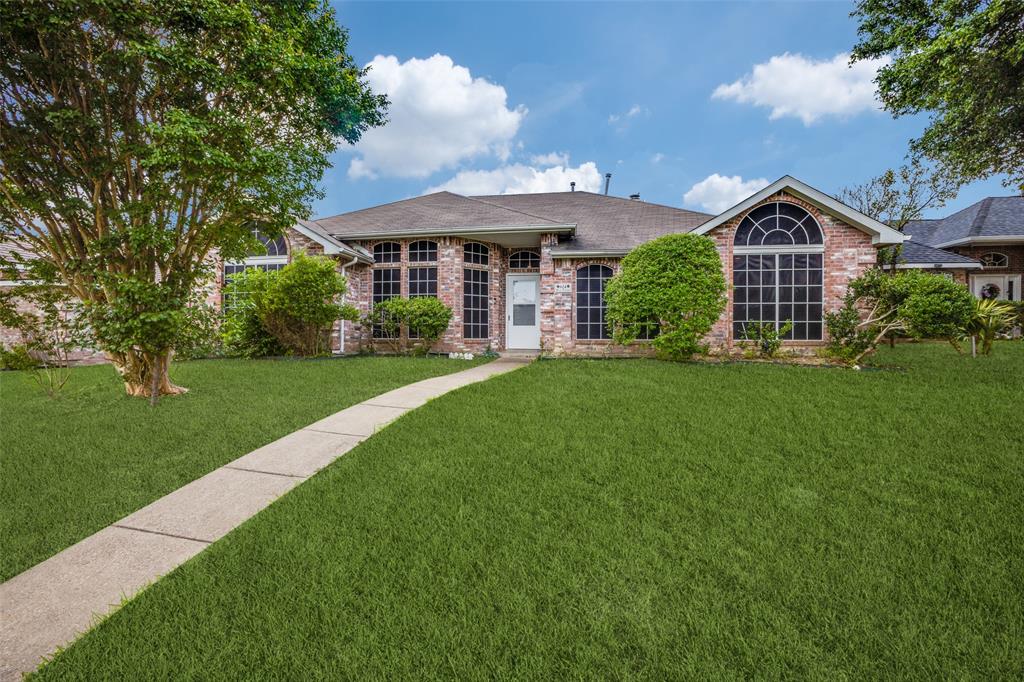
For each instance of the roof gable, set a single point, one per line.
(881, 234)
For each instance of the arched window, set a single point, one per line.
(590, 304)
(272, 256)
(387, 252)
(524, 260)
(778, 224)
(271, 247)
(778, 271)
(994, 259)
(475, 291)
(423, 251)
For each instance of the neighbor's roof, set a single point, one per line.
(916, 255)
(995, 219)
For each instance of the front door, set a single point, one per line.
(1002, 287)
(522, 314)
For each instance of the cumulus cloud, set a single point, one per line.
(522, 179)
(439, 116)
(551, 159)
(793, 85)
(715, 193)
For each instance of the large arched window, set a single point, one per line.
(590, 304)
(387, 277)
(778, 271)
(272, 256)
(475, 291)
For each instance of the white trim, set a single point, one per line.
(1005, 279)
(331, 246)
(590, 253)
(1007, 239)
(938, 266)
(784, 248)
(470, 230)
(19, 282)
(881, 234)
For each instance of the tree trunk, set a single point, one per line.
(145, 374)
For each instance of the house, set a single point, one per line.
(527, 271)
(981, 246)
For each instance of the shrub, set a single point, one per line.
(200, 333)
(989, 318)
(410, 324)
(17, 357)
(674, 282)
(291, 310)
(918, 304)
(766, 337)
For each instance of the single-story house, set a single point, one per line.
(981, 246)
(527, 271)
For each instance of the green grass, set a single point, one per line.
(628, 519)
(73, 465)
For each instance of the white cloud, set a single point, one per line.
(793, 85)
(439, 116)
(715, 193)
(657, 157)
(551, 159)
(633, 112)
(522, 179)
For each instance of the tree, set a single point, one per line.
(961, 60)
(138, 137)
(672, 285)
(919, 304)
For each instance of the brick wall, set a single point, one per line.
(848, 253)
(1014, 252)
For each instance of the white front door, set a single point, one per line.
(522, 311)
(1002, 287)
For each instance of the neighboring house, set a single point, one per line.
(527, 271)
(982, 246)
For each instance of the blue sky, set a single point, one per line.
(506, 97)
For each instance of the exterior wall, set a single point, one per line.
(848, 253)
(1015, 253)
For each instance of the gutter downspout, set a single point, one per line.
(341, 323)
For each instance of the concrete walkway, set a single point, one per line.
(50, 604)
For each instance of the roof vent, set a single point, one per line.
(572, 186)
(607, 181)
(634, 197)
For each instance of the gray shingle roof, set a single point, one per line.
(602, 222)
(991, 217)
(914, 253)
(438, 211)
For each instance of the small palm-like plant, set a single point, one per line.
(991, 317)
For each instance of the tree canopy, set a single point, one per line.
(963, 61)
(139, 137)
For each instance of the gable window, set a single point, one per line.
(423, 251)
(590, 303)
(387, 252)
(475, 291)
(524, 260)
(994, 259)
(778, 273)
(272, 256)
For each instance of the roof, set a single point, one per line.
(604, 224)
(917, 255)
(994, 219)
(881, 234)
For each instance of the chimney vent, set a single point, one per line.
(572, 186)
(607, 181)
(634, 197)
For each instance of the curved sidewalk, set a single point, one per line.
(55, 601)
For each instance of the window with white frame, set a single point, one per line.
(590, 303)
(524, 260)
(475, 291)
(778, 273)
(994, 259)
(271, 257)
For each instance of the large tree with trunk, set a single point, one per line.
(140, 137)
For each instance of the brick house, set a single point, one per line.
(527, 271)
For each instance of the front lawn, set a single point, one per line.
(612, 519)
(73, 465)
